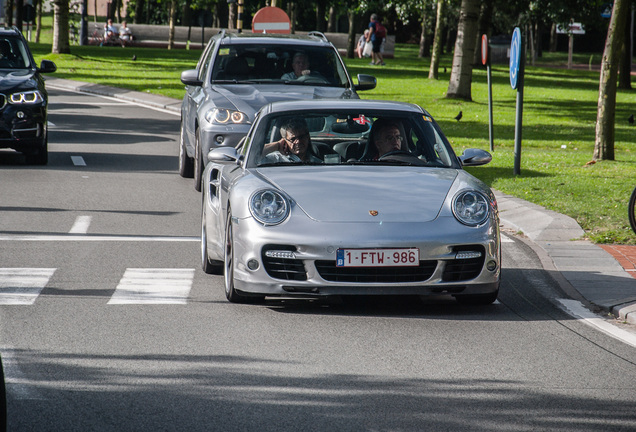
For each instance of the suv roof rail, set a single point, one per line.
(222, 32)
(318, 34)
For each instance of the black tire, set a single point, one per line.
(186, 163)
(41, 157)
(477, 299)
(632, 210)
(209, 266)
(198, 163)
(231, 293)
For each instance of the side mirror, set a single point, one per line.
(366, 82)
(224, 155)
(47, 66)
(191, 77)
(475, 157)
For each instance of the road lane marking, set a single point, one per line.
(81, 224)
(577, 310)
(505, 239)
(89, 238)
(19, 387)
(78, 161)
(21, 286)
(153, 286)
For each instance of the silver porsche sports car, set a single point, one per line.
(349, 197)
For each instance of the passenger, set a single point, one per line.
(300, 66)
(110, 32)
(294, 146)
(125, 34)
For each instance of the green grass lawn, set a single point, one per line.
(558, 122)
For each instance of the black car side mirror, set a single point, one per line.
(47, 66)
(366, 82)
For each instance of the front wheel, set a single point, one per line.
(198, 162)
(186, 163)
(632, 210)
(209, 266)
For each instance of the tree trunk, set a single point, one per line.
(351, 40)
(231, 16)
(38, 20)
(9, 13)
(171, 23)
(606, 114)
(437, 42)
(320, 16)
(331, 25)
(60, 28)
(485, 21)
(423, 39)
(624, 77)
(19, 7)
(553, 38)
(459, 85)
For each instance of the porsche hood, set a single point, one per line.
(365, 194)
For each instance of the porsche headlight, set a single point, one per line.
(269, 207)
(27, 97)
(470, 207)
(226, 116)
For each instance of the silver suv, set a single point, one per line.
(238, 73)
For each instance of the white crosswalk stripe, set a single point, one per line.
(21, 286)
(153, 286)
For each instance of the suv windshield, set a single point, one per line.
(344, 137)
(289, 64)
(13, 53)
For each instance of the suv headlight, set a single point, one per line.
(470, 207)
(226, 116)
(269, 207)
(27, 97)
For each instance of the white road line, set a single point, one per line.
(95, 238)
(21, 286)
(577, 310)
(81, 224)
(153, 286)
(78, 161)
(18, 385)
(506, 239)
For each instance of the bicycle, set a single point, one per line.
(631, 210)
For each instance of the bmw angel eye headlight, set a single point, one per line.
(269, 207)
(28, 97)
(470, 207)
(226, 116)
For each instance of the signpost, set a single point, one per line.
(271, 20)
(485, 60)
(517, 65)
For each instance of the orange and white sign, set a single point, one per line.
(271, 20)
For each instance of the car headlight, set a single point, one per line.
(226, 116)
(27, 97)
(269, 207)
(470, 207)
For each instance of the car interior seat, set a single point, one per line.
(237, 68)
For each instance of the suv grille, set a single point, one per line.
(330, 272)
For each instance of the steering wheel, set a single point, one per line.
(312, 79)
(402, 156)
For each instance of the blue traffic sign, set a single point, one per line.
(515, 57)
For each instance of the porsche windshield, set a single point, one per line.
(277, 64)
(349, 138)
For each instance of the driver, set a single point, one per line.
(386, 137)
(300, 66)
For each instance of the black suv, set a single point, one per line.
(23, 98)
(238, 73)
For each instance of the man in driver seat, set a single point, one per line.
(385, 137)
(300, 66)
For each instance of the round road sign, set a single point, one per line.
(515, 57)
(271, 20)
(484, 49)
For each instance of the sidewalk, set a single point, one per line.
(602, 277)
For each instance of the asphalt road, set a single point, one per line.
(80, 353)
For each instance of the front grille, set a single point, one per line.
(464, 269)
(283, 268)
(329, 271)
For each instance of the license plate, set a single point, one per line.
(377, 257)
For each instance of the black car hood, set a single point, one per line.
(21, 79)
(250, 98)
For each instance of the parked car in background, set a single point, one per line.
(23, 98)
(350, 216)
(238, 73)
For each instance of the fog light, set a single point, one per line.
(491, 265)
(219, 139)
(252, 264)
(20, 114)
